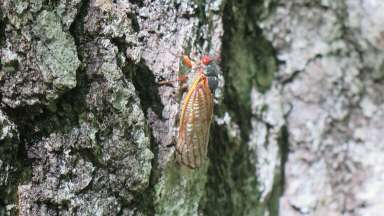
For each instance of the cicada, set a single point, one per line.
(196, 113)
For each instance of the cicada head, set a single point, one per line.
(208, 66)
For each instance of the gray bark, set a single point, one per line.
(331, 73)
(86, 129)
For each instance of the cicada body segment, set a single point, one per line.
(195, 121)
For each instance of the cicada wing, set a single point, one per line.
(195, 119)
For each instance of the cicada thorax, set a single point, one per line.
(211, 71)
(196, 115)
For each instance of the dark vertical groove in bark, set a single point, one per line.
(2, 32)
(145, 85)
(147, 89)
(229, 160)
(77, 27)
(231, 173)
(284, 149)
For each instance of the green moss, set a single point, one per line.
(379, 73)
(249, 57)
(56, 52)
(250, 63)
(180, 190)
(119, 100)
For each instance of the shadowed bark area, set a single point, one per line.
(86, 128)
(233, 186)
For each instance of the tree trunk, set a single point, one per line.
(86, 128)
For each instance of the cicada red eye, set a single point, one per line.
(195, 120)
(206, 59)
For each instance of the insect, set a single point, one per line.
(196, 113)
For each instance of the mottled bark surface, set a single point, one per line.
(330, 76)
(85, 128)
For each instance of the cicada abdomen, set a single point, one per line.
(195, 121)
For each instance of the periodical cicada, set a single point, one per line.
(196, 113)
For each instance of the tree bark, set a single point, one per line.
(86, 128)
(331, 73)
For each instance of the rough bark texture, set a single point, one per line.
(85, 128)
(330, 74)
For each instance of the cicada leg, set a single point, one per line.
(188, 62)
(181, 79)
(183, 87)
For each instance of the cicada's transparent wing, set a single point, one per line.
(195, 120)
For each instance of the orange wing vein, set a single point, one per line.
(195, 120)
